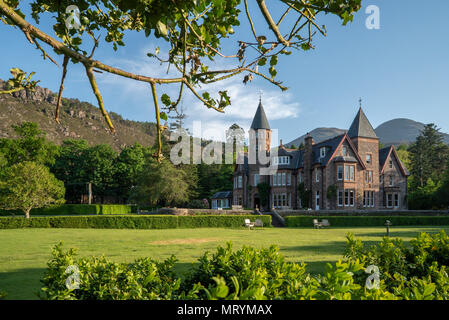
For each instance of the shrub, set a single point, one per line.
(197, 204)
(414, 273)
(100, 279)
(129, 222)
(249, 273)
(417, 272)
(78, 209)
(335, 221)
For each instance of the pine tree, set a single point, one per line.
(428, 156)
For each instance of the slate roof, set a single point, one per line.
(361, 127)
(222, 195)
(331, 145)
(383, 155)
(260, 119)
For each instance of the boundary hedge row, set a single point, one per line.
(76, 209)
(130, 222)
(307, 221)
(362, 213)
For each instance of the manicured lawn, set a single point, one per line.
(25, 252)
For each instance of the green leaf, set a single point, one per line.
(262, 61)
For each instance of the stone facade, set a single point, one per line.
(347, 172)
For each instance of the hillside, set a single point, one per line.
(399, 131)
(393, 132)
(78, 120)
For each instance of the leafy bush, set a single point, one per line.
(130, 222)
(77, 209)
(197, 204)
(307, 221)
(100, 279)
(418, 272)
(250, 273)
(414, 273)
(2, 295)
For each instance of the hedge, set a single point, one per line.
(362, 213)
(307, 221)
(130, 222)
(76, 209)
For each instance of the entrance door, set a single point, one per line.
(257, 203)
(317, 200)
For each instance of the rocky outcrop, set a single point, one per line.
(79, 120)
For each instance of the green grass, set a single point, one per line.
(25, 252)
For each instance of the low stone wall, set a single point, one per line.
(362, 213)
(191, 212)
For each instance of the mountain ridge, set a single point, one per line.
(392, 132)
(78, 120)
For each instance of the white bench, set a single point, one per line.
(323, 223)
(249, 224)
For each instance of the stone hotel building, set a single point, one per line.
(347, 172)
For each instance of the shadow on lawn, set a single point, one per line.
(22, 284)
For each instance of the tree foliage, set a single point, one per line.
(30, 145)
(161, 184)
(29, 185)
(428, 156)
(193, 30)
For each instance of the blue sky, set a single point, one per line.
(400, 71)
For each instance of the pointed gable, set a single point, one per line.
(341, 139)
(361, 127)
(260, 119)
(387, 153)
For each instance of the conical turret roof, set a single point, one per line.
(260, 119)
(361, 127)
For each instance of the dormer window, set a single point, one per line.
(281, 160)
(391, 164)
(322, 152)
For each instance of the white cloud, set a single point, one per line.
(244, 98)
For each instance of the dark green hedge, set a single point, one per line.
(76, 209)
(129, 222)
(307, 221)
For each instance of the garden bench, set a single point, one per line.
(249, 224)
(325, 223)
(258, 223)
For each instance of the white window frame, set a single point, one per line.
(340, 197)
(340, 170)
(322, 152)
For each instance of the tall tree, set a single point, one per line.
(30, 145)
(161, 184)
(70, 167)
(428, 156)
(192, 29)
(129, 166)
(29, 185)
